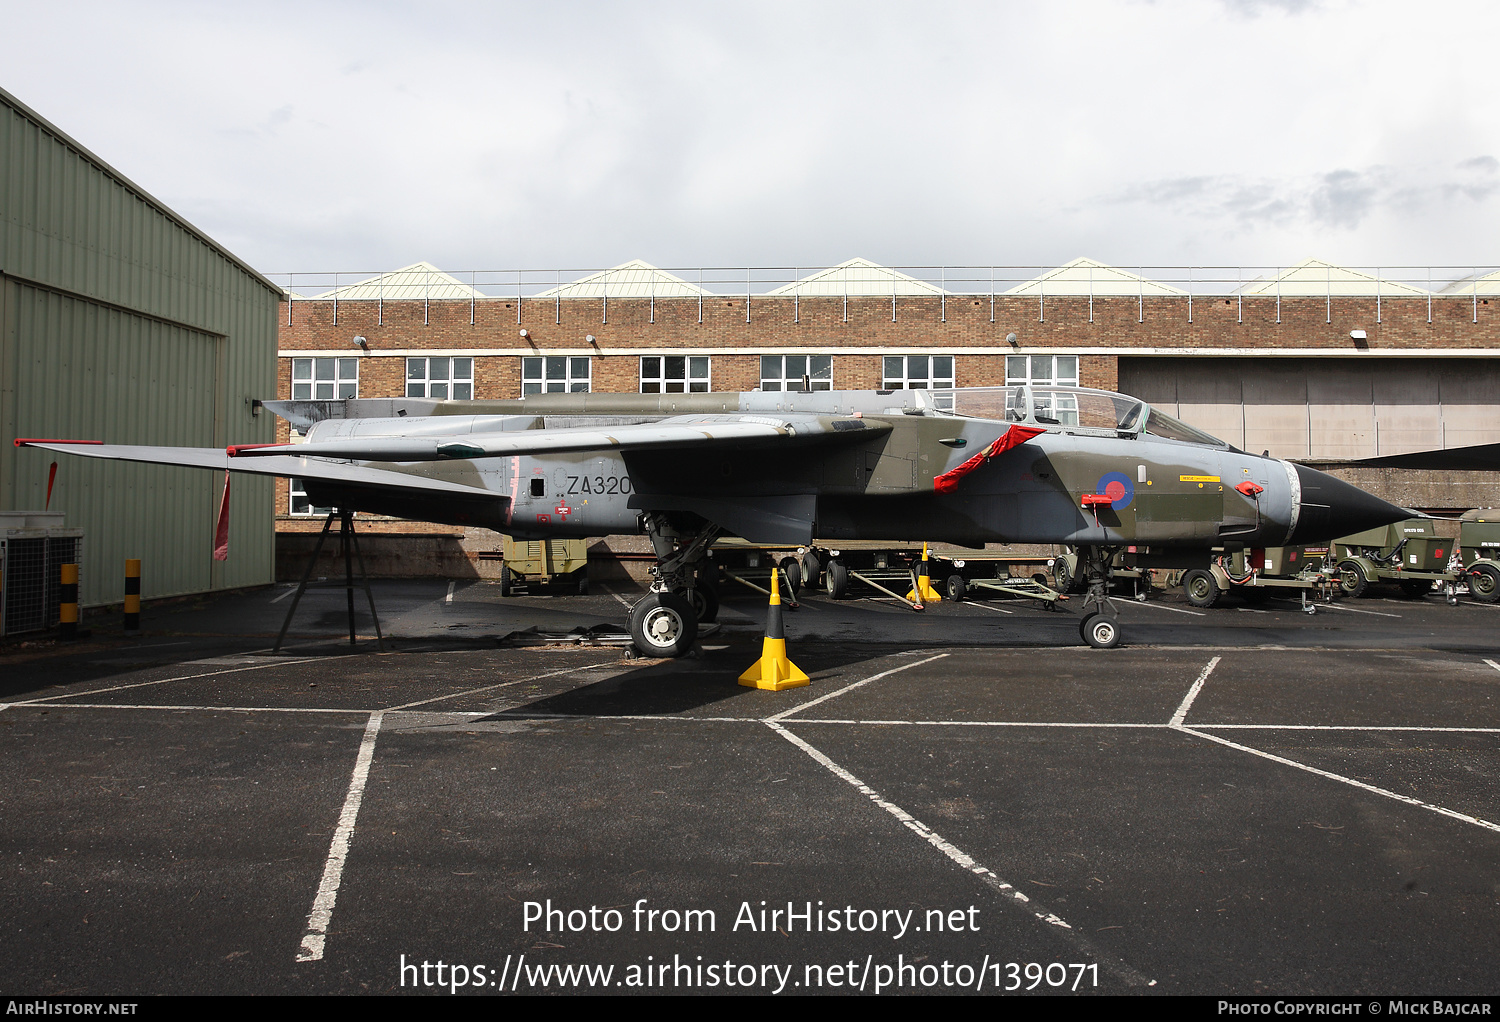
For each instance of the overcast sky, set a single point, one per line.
(323, 136)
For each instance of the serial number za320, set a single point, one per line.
(598, 484)
(1054, 974)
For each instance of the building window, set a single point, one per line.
(301, 504)
(786, 372)
(1042, 370)
(440, 378)
(324, 379)
(917, 372)
(674, 374)
(554, 374)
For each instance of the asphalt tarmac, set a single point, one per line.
(1240, 800)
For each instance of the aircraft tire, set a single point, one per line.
(704, 600)
(507, 581)
(1201, 587)
(836, 580)
(1100, 631)
(1352, 581)
(955, 588)
(663, 625)
(1484, 583)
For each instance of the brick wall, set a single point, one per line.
(920, 323)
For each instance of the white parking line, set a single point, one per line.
(498, 685)
(449, 597)
(186, 677)
(623, 602)
(338, 850)
(1082, 725)
(1462, 817)
(967, 862)
(1157, 606)
(850, 688)
(1187, 701)
(986, 606)
(1352, 610)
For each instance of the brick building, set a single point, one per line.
(1314, 362)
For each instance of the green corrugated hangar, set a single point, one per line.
(121, 322)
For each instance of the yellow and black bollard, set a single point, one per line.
(132, 597)
(68, 599)
(923, 592)
(773, 671)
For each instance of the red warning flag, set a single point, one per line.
(1015, 436)
(221, 529)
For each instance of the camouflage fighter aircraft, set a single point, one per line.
(1095, 470)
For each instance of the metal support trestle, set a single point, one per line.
(349, 550)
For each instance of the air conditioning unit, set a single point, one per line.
(34, 545)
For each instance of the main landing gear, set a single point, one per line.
(664, 623)
(1100, 626)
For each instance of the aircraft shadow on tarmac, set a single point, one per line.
(665, 688)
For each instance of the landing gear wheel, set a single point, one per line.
(1201, 587)
(836, 580)
(1100, 631)
(955, 588)
(507, 581)
(1415, 588)
(1484, 583)
(663, 625)
(1352, 580)
(705, 602)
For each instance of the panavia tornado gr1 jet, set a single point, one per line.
(1087, 468)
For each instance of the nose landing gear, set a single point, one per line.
(1100, 627)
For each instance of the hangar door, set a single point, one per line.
(90, 372)
(1326, 408)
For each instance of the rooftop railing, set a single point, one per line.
(792, 283)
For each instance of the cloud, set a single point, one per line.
(1341, 199)
(1255, 8)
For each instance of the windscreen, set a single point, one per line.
(1158, 423)
(1069, 407)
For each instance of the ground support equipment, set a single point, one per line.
(348, 542)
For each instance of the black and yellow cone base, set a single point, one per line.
(773, 671)
(924, 593)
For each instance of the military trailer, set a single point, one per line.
(1255, 574)
(1479, 539)
(1409, 553)
(561, 562)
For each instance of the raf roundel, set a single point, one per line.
(1118, 488)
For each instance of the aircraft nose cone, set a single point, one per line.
(1332, 508)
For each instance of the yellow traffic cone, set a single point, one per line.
(924, 593)
(773, 671)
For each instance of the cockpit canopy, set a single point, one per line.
(1070, 409)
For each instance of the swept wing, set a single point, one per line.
(695, 431)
